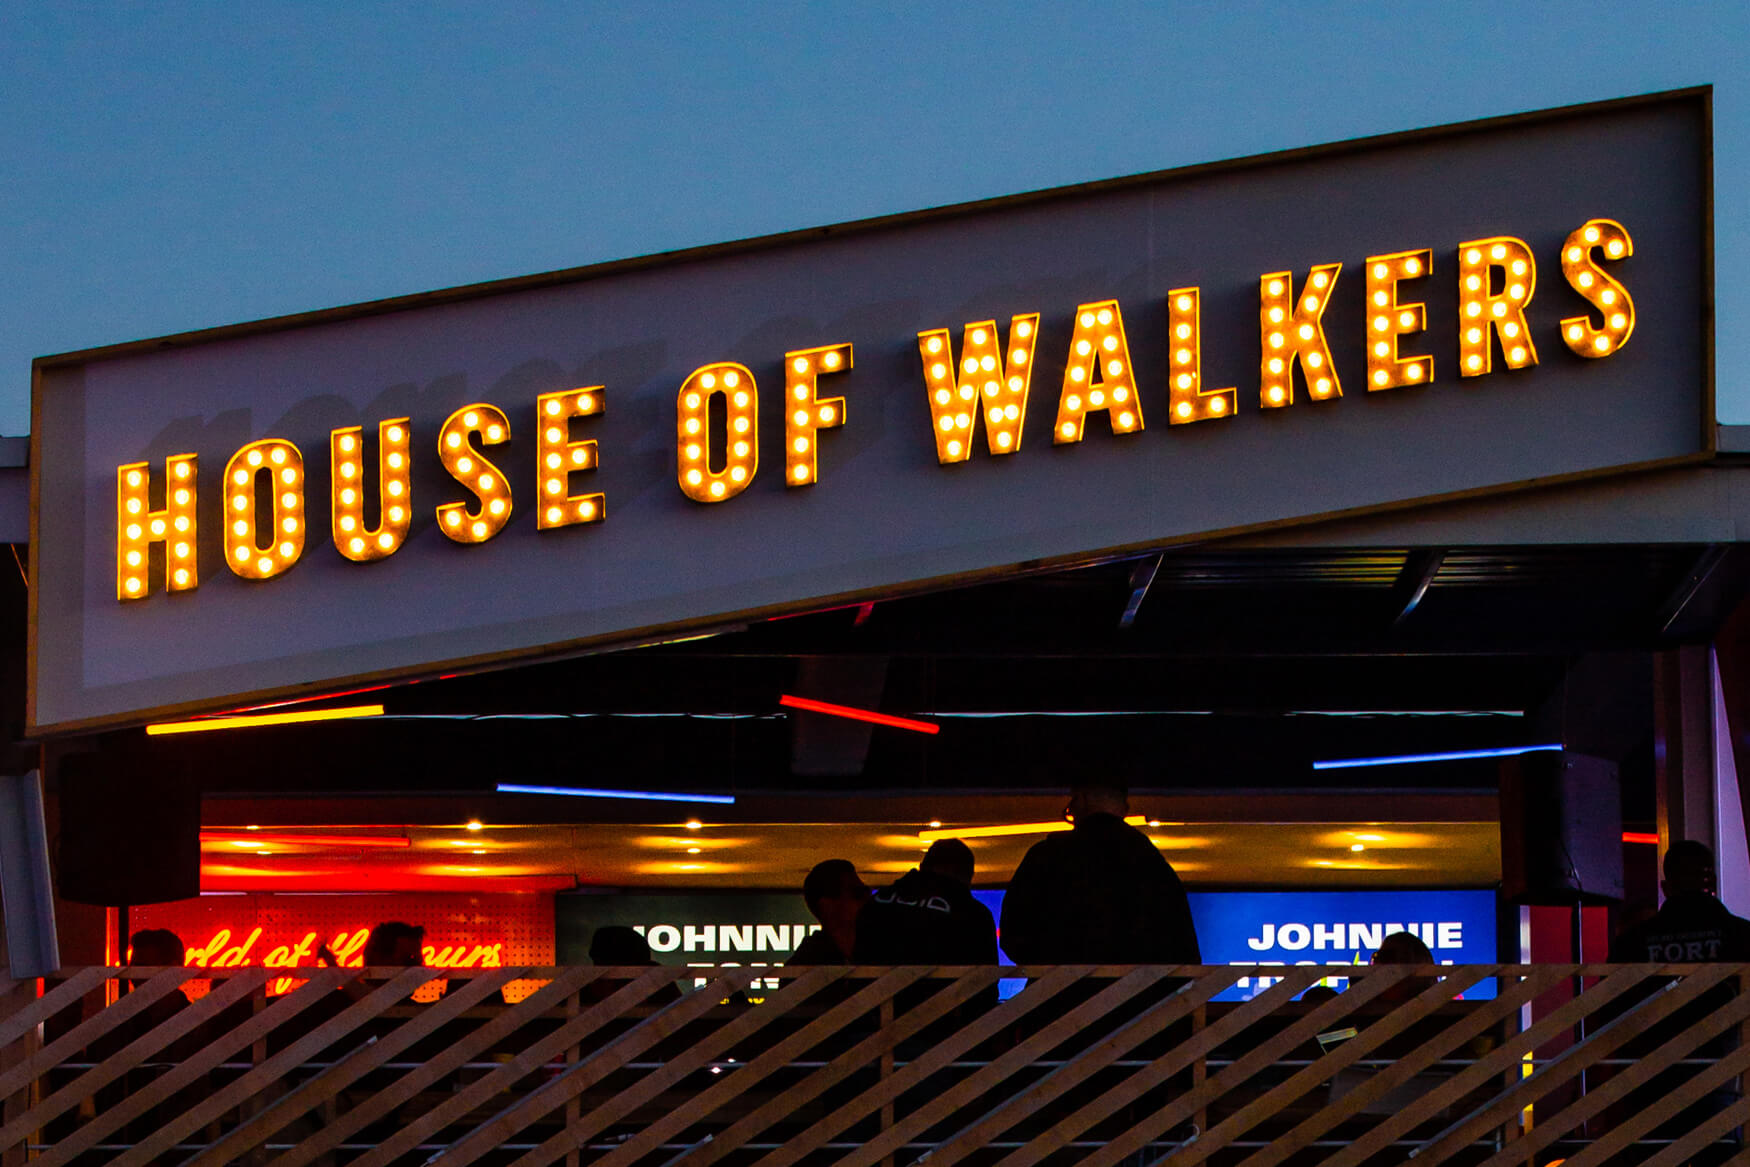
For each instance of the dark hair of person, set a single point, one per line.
(1403, 948)
(828, 878)
(155, 946)
(617, 944)
(386, 937)
(949, 857)
(1687, 858)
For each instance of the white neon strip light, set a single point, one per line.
(1450, 756)
(643, 795)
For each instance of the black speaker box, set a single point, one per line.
(1561, 829)
(127, 836)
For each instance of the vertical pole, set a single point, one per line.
(886, 1070)
(573, 1054)
(1683, 745)
(1200, 1067)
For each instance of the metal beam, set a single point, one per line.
(1420, 568)
(1141, 576)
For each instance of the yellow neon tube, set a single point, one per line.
(250, 721)
(931, 836)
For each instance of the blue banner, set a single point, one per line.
(1337, 928)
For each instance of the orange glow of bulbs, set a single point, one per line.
(1187, 400)
(804, 413)
(734, 385)
(1615, 307)
(465, 463)
(557, 458)
(277, 467)
(138, 526)
(1487, 313)
(1292, 332)
(979, 384)
(1388, 320)
(1098, 376)
(348, 483)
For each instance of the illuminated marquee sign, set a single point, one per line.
(1098, 378)
(577, 460)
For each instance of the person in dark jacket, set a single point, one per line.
(836, 896)
(1692, 926)
(929, 915)
(1098, 894)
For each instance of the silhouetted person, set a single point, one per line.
(392, 943)
(1693, 926)
(146, 949)
(929, 915)
(1098, 894)
(618, 946)
(1402, 948)
(836, 897)
(149, 948)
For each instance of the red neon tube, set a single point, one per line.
(855, 714)
(306, 840)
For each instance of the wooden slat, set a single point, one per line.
(715, 1045)
(123, 1061)
(1430, 1000)
(94, 1028)
(56, 999)
(1570, 1064)
(970, 1138)
(984, 1105)
(832, 1074)
(478, 1092)
(564, 983)
(356, 1064)
(1261, 1056)
(1509, 1053)
(1626, 1081)
(196, 1067)
(1488, 1015)
(1706, 1132)
(897, 1134)
(733, 1085)
(337, 1029)
(596, 1065)
(1636, 1125)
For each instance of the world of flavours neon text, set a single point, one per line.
(986, 382)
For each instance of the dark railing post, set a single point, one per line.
(573, 1055)
(14, 996)
(886, 1069)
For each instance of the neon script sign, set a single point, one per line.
(228, 948)
(265, 487)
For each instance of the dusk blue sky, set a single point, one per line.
(173, 166)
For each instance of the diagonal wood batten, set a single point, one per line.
(864, 1067)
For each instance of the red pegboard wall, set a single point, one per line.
(284, 930)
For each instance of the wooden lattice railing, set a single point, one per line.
(866, 1066)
